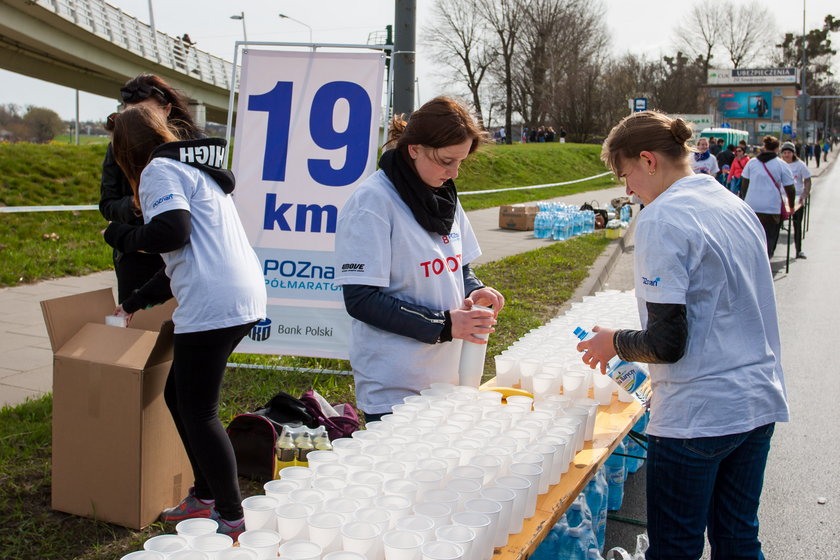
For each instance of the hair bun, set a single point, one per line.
(681, 131)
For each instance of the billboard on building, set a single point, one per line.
(746, 104)
(746, 76)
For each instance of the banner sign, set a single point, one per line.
(734, 76)
(746, 104)
(306, 136)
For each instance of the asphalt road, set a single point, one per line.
(804, 464)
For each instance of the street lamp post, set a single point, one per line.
(241, 15)
(284, 16)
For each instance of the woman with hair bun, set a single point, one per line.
(710, 334)
(404, 247)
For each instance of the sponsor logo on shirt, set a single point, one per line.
(261, 331)
(439, 266)
(162, 199)
(352, 267)
(653, 283)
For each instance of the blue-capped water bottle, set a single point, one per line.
(616, 474)
(630, 376)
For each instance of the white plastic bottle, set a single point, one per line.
(471, 367)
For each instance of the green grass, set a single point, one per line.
(29, 529)
(84, 139)
(57, 174)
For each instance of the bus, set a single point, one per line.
(730, 135)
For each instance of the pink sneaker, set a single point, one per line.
(190, 507)
(230, 528)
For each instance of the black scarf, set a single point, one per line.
(700, 157)
(433, 207)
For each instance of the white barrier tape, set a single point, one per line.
(464, 193)
(16, 209)
(288, 368)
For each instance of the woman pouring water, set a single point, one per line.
(711, 335)
(404, 247)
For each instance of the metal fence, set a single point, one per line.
(114, 25)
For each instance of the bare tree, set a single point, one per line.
(458, 38)
(746, 32)
(700, 32)
(504, 18)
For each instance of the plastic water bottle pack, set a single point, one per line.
(559, 221)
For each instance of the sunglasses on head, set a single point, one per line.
(139, 93)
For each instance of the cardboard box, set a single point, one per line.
(116, 455)
(517, 217)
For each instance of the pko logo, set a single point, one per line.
(261, 331)
(647, 282)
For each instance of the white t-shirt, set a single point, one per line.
(763, 196)
(216, 277)
(698, 245)
(708, 166)
(379, 243)
(800, 172)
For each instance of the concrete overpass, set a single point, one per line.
(94, 47)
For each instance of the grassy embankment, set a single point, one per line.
(52, 244)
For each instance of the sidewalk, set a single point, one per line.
(26, 368)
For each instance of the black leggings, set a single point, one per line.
(192, 395)
(797, 228)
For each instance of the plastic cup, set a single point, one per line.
(480, 524)
(493, 510)
(212, 544)
(451, 456)
(329, 486)
(402, 545)
(344, 447)
(567, 432)
(357, 463)
(291, 521)
(301, 475)
(490, 397)
(331, 469)
(364, 538)
(166, 544)
(426, 479)
(343, 555)
(279, 489)
(259, 512)
(397, 506)
(189, 529)
(468, 471)
(194, 555)
(460, 535)
(604, 387)
(573, 385)
(441, 496)
(299, 550)
(445, 388)
(364, 495)
(325, 529)
(527, 368)
(520, 487)
(264, 543)
(558, 464)
(582, 414)
(237, 553)
(366, 438)
(507, 371)
(390, 470)
(343, 506)
(520, 401)
(143, 555)
(489, 464)
(441, 514)
(532, 474)
(433, 464)
(547, 452)
(421, 524)
(441, 550)
(504, 497)
(400, 487)
(466, 488)
(321, 457)
(378, 515)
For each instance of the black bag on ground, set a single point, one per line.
(254, 434)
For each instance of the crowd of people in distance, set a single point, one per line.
(777, 173)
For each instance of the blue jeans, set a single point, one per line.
(709, 483)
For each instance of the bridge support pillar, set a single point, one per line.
(198, 110)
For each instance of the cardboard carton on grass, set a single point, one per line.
(517, 216)
(116, 455)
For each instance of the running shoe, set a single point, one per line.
(189, 508)
(230, 528)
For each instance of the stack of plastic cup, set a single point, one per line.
(189, 529)
(265, 543)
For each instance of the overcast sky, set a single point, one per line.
(639, 27)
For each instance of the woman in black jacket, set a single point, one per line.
(116, 201)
